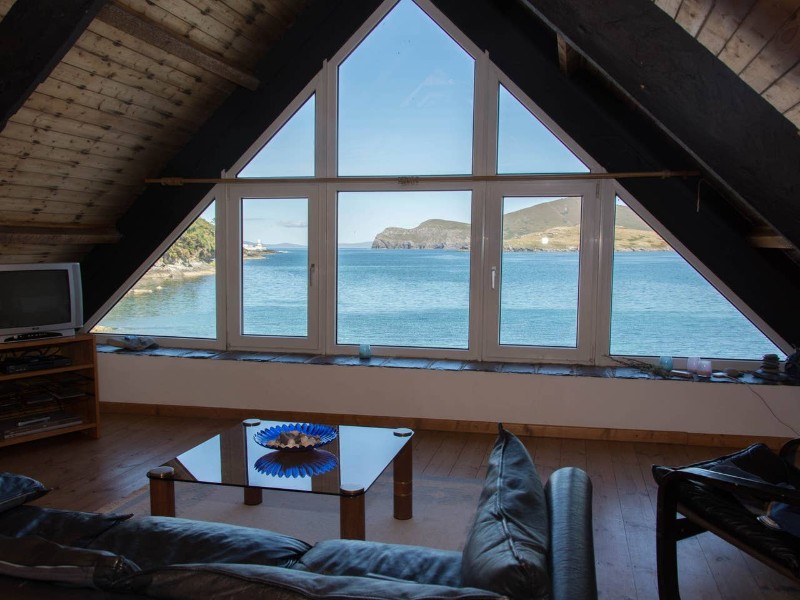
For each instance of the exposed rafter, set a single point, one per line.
(750, 148)
(151, 32)
(36, 35)
(44, 234)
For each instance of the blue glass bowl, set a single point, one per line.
(326, 434)
(307, 464)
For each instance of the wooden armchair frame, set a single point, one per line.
(670, 528)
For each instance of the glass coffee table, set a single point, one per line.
(347, 466)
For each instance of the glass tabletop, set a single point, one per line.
(353, 460)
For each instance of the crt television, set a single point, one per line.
(40, 300)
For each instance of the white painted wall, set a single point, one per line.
(696, 407)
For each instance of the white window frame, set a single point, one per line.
(236, 194)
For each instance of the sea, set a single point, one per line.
(660, 305)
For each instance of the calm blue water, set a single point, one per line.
(661, 306)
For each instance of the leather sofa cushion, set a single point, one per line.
(153, 542)
(506, 550)
(41, 560)
(18, 489)
(257, 582)
(374, 559)
(71, 528)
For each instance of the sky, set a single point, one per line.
(405, 108)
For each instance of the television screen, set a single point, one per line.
(37, 297)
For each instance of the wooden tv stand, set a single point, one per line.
(52, 398)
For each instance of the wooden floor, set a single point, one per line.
(87, 474)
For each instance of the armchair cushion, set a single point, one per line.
(506, 550)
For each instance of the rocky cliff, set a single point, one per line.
(551, 226)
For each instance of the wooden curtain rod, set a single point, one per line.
(404, 180)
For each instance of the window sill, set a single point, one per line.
(621, 372)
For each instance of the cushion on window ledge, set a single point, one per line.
(42, 560)
(18, 489)
(506, 550)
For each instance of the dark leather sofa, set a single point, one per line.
(527, 541)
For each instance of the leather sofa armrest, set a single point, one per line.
(569, 502)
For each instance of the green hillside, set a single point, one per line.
(551, 226)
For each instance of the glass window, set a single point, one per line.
(403, 265)
(525, 145)
(661, 306)
(176, 297)
(290, 152)
(275, 267)
(540, 266)
(405, 100)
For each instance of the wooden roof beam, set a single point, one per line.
(57, 234)
(569, 59)
(765, 237)
(34, 36)
(154, 34)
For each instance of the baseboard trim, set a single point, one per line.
(551, 431)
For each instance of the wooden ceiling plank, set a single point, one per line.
(67, 126)
(755, 32)
(61, 108)
(175, 66)
(692, 15)
(97, 66)
(723, 21)
(5, 6)
(157, 35)
(257, 31)
(26, 217)
(785, 92)
(85, 146)
(265, 9)
(107, 50)
(23, 148)
(11, 192)
(71, 93)
(35, 35)
(53, 234)
(777, 58)
(793, 114)
(72, 184)
(204, 20)
(671, 7)
(569, 59)
(119, 91)
(35, 164)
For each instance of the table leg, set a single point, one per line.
(351, 513)
(252, 496)
(162, 492)
(403, 483)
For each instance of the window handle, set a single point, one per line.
(311, 270)
(494, 277)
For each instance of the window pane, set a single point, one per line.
(661, 306)
(525, 145)
(405, 100)
(539, 274)
(275, 267)
(290, 152)
(403, 269)
(177, 296)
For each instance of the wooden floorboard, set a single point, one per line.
(86, 474)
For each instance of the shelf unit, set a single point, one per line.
(50, 399)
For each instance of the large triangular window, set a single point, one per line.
(525, 145)
(405, 100)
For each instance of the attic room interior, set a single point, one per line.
(576, 219)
